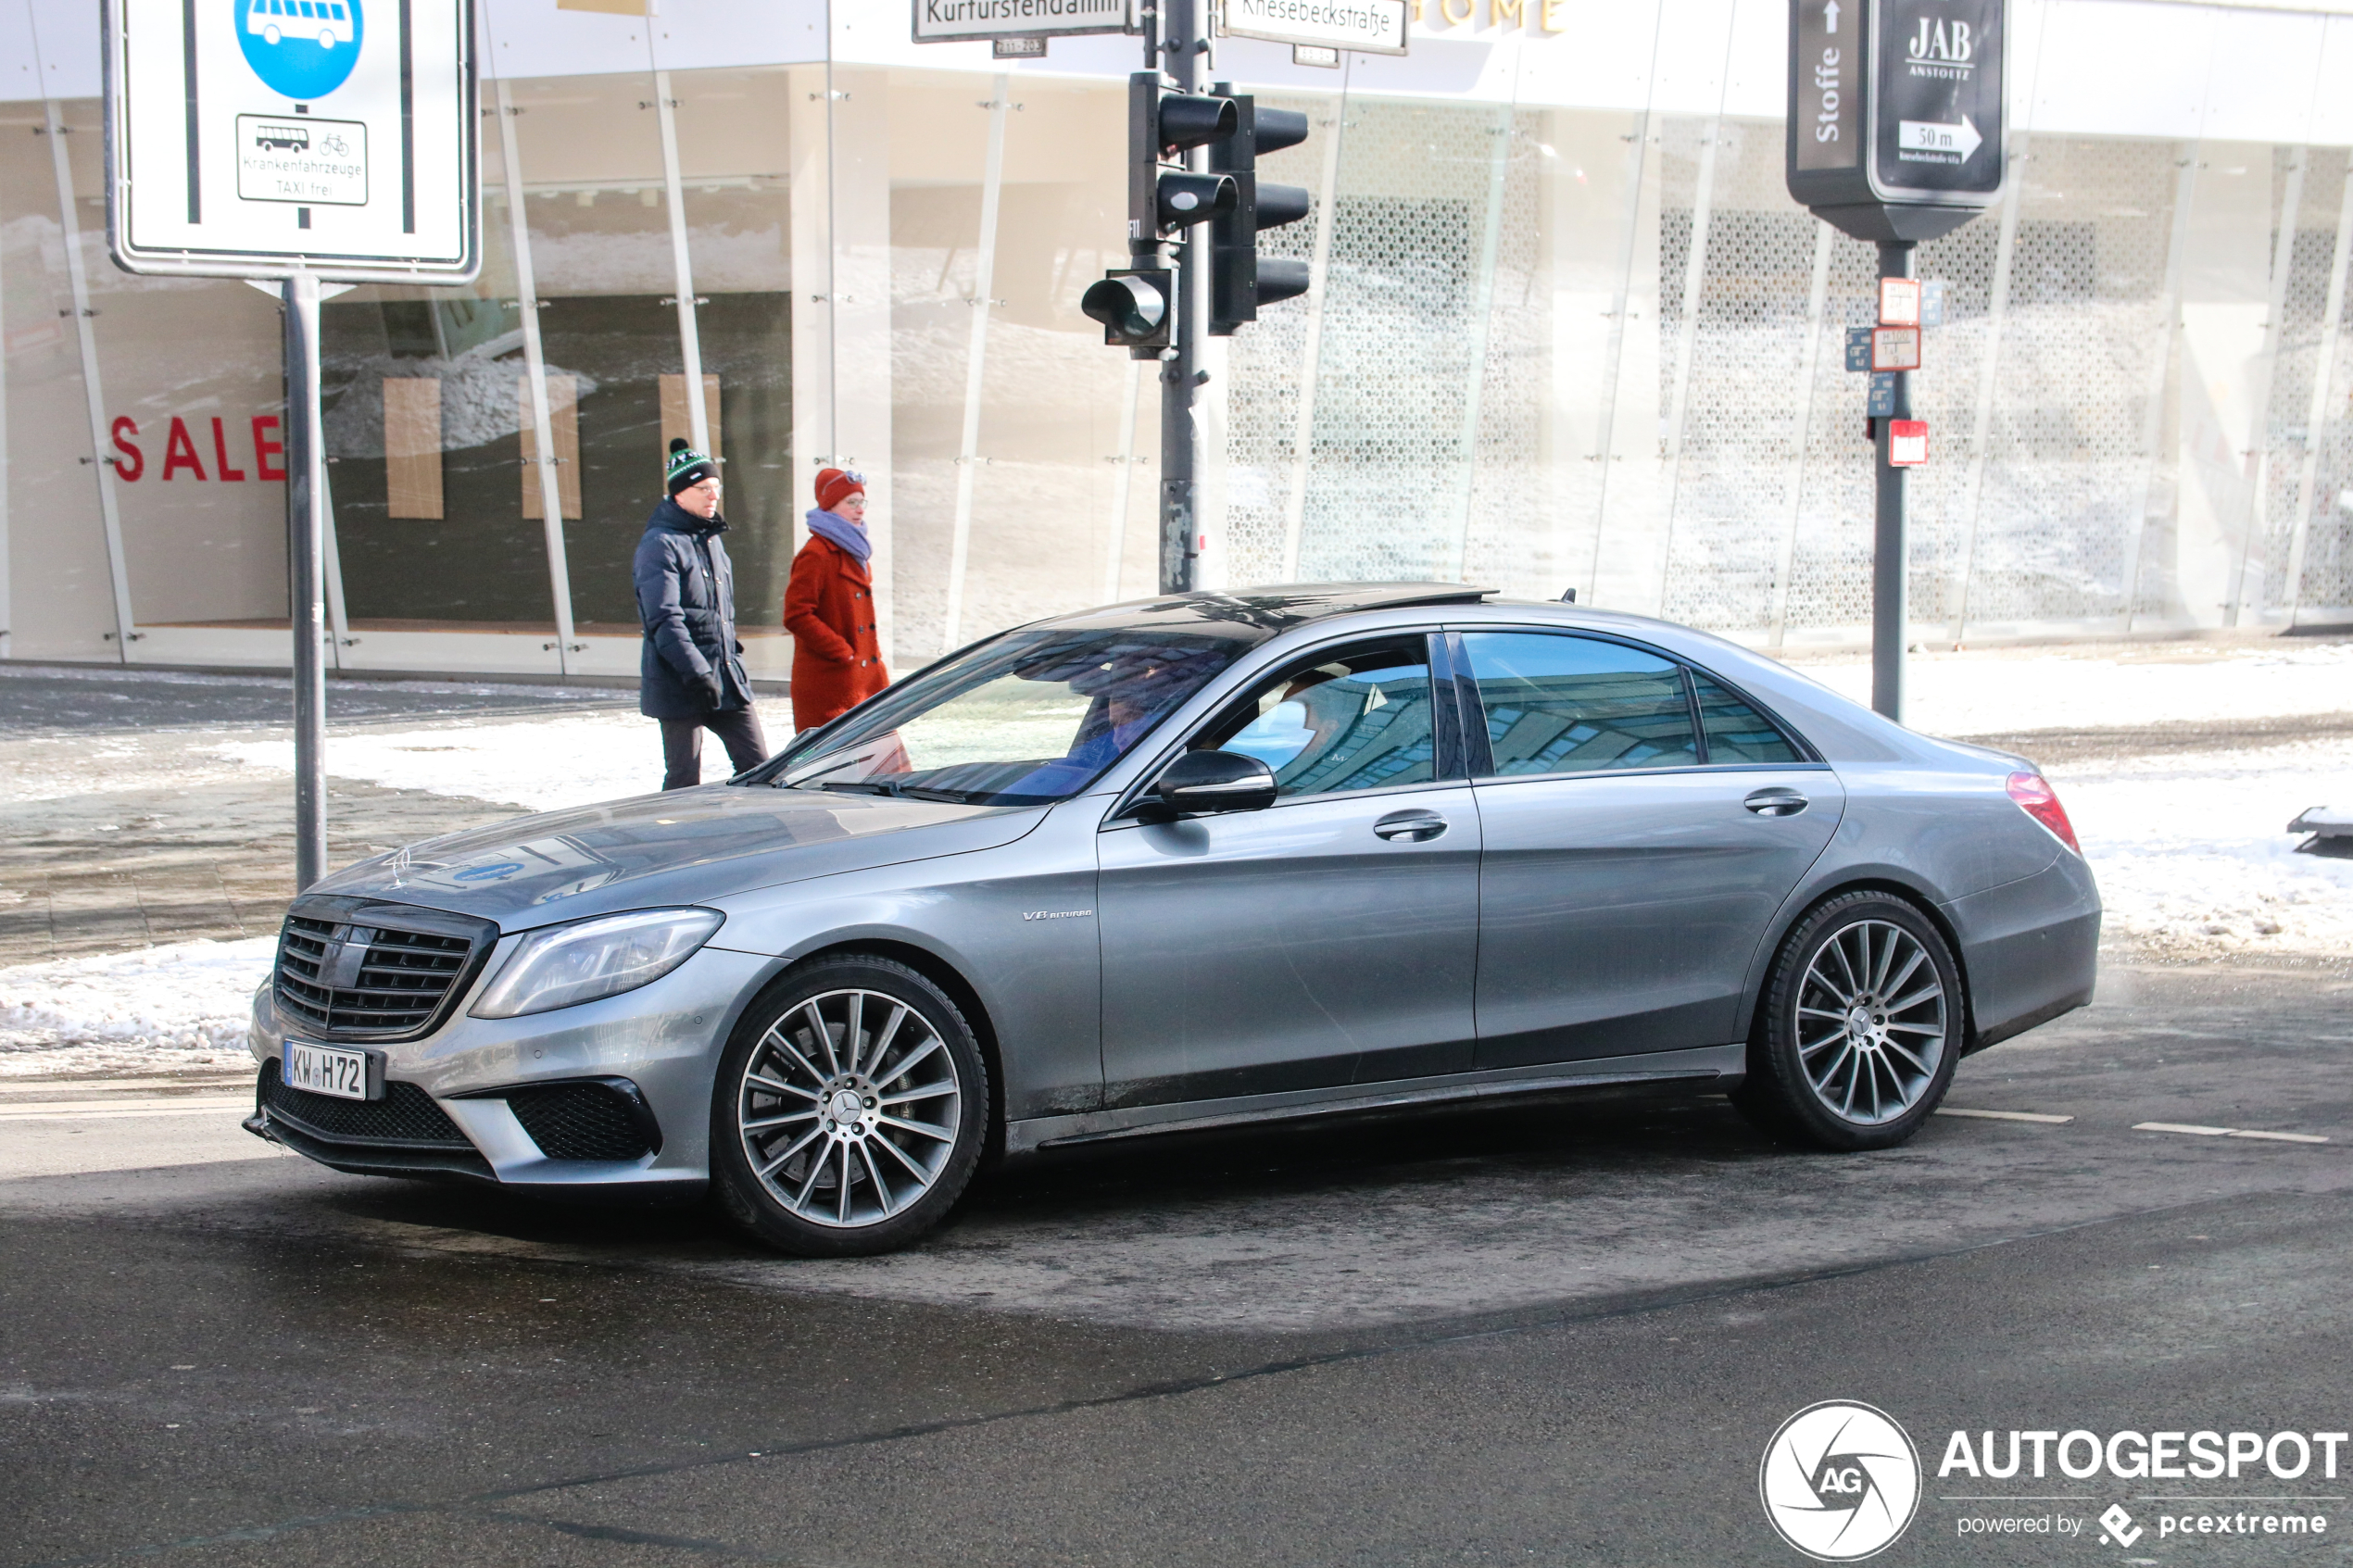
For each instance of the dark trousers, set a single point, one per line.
(737, 729)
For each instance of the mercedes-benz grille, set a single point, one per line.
(373, 972)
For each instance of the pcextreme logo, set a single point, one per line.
(1840, 1481)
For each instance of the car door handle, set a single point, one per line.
(1776, 801)
(1414, 827)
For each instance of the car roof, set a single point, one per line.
(1270, 611)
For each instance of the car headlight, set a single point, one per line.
(568, 964)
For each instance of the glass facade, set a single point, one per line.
(1567, 330)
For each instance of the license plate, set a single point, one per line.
(324, 1069)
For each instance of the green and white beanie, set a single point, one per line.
(688, 466)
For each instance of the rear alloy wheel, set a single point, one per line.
(1861, 1027)
(848, 1112)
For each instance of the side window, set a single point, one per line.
(1356, 719)
(1561, 704)
(1737, 732)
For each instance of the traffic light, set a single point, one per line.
(1241, 279)
(1162, 126)
(1136, 306)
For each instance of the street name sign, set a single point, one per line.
(971, 22)
(1895, 113)
(263, 138)
(1369, 27)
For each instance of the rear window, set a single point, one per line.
(1562, 704)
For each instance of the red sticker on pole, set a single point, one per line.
(1906, 443)
(1895, 348)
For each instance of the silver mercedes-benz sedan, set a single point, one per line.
(1193, 861)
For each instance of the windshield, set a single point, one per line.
(1031, 717)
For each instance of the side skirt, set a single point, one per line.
(1719, 1067)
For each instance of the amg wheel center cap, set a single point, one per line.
(844, 1107)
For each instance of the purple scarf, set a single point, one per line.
(839, 532)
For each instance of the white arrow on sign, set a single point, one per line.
(1935, 136)
(1829, 17)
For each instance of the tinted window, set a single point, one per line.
(1359, 719)
(1563, 704)
(1737, 732)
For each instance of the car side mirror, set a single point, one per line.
(1212, 781)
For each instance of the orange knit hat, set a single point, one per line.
(834, 486)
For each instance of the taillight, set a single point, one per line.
(2039, 800)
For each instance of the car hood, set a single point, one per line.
(687, 847)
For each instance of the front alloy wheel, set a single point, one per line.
(1861, 1026)
(850, 1111)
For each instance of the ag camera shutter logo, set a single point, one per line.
(1840, 1481)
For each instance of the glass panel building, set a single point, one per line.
(1567, 329)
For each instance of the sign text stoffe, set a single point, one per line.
(1895, 113)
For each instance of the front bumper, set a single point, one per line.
(662, 1041)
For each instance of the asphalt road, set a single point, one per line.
(1559, 1333)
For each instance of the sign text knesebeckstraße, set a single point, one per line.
(960, 21)
(1372, 27)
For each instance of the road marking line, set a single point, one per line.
(2005, 1115)
(2282, 1137)
(2190, 1128)
(242, 1105)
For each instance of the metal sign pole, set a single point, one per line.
(305, 552)
(1179, 532)
(1890, 549)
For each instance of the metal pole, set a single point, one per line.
(1889, 561)
(960, 532)
(1179, 534)
(305, 552)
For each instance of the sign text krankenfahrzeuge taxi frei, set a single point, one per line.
(1895, 113)
(260, 138)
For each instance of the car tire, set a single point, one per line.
(857, 1140)
(1859, 1029)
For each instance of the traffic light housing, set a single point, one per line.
(1241, 279)
(1136, 306)
(1163, 194)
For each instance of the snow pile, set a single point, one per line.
(2005, 692)
(179, 1007)
(542, 764)
(2193, 854)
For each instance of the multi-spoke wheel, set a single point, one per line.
(1860, 1028)
(850, 1110)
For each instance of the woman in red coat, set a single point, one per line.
(829, 606)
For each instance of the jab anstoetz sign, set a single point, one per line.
(961, 22)
(1895, 113)
(255, 138)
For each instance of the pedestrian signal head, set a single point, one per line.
(1135, 308)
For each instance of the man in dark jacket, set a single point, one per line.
(689, 675)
